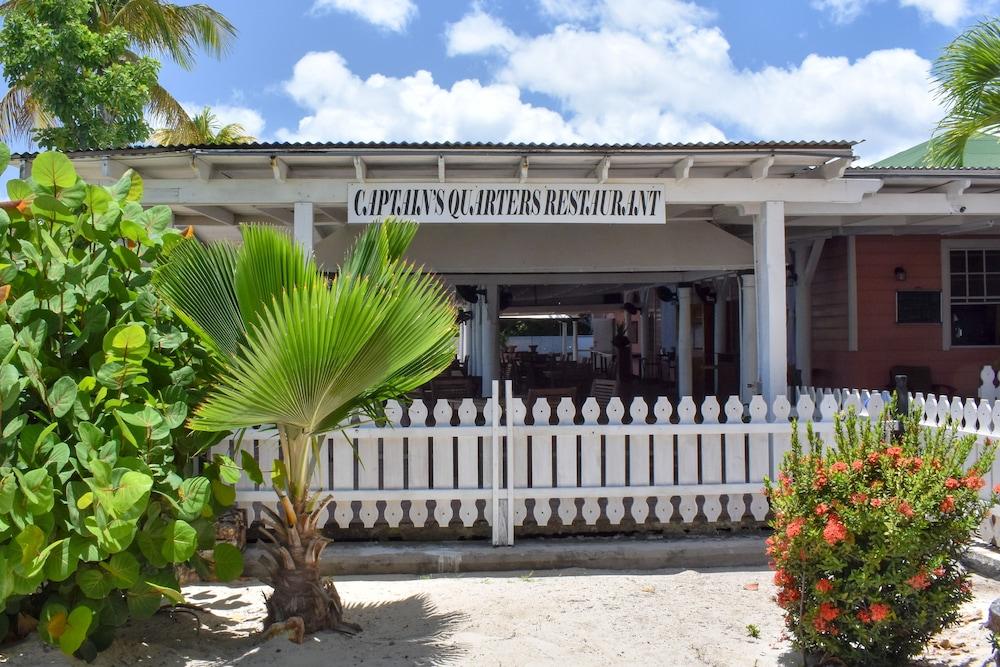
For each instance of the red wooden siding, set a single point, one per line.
(881, 342)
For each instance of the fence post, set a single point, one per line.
(499, 505)
(508, 402)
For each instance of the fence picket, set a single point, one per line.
(590, 459)
(419, 460)
(393, 461)
(614, 453)
(541, 463)
(443, 453)
(639, 468)
(566, 461)
(663, 458)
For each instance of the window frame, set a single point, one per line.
(947, 246)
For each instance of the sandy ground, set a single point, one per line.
(572, 617)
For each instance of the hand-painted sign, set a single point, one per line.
(506, 202)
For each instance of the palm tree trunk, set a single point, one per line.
(301, 598)
(303, 601)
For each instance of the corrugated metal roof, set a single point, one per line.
(467, 145)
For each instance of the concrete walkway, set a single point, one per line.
(604, 553)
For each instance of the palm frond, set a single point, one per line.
(315, 352)
(968, 78)
(267, 266)
(198, 283)
(177, 31)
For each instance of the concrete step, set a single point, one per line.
(602, 553)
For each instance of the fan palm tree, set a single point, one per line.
(967, 74)
(305, 354)
(155, 27)
(203, 130)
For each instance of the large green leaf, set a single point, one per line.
(123, 569)
(179, 541)
(228, 561)
(76, 629)
(126, 342)
(131, 492)
(53, 170)
(62, 396)
(194, 494)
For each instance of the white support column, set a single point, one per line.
(491, 314)
(644, 347)
(685, 343)
(748, 337)
(576, 341)
(475, 338)
(806, 260)
(719, 332)
(302, 225)
(769, 268)
(562, 338)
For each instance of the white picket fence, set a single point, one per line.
(988, 387)
(458, 465)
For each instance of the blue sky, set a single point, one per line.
(584, 70)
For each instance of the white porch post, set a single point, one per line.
(644, 338)
(685, 342)
(562, 337)
(748, 337)
(302, 225)
(769, 268)
(719, 334)
(806, 260)
(491, 313)
(475, 338)
(576, 340)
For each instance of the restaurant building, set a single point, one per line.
(731, 268)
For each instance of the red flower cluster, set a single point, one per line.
(919, 581)
(795, 527)
(834, 531)
(948, 504)
(824, 618)
(973, 482)
(876, 613)
(824, 586)
(905, 509)
(822, 509)
(838, 467)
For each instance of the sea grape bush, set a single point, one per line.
(868, 535)
(97, 505)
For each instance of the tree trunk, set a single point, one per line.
(303, 601)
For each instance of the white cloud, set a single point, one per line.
(478, 32)
(946, 12)
(345, 107)
(612, 78)
(389, 14)
(250, 119)
(841, 11)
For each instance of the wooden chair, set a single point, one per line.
(603, 391)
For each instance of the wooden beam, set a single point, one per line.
(441, 169)
(523, 176)
(682, 170)
(217, 213)
(834, 168)
(201, 168)
(112, 169)
(815, 252)
(280, 169)
(758, 168)
(282, 215)
(360, 169)
(603, 169)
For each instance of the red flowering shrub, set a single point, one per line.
(867, 538)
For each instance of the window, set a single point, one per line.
(975, 296)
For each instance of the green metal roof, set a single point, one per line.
(982, 150)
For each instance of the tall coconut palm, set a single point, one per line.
(967, 74)
(305, 354)
(204, 129)
(156, 27)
